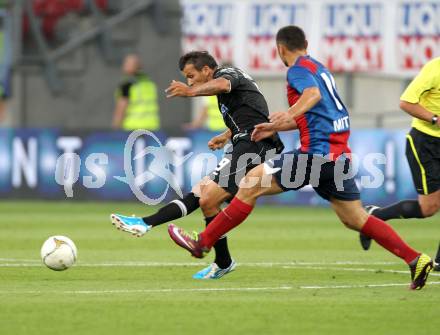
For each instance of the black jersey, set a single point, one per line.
(244, 106)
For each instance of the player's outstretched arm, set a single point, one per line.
(212, 87)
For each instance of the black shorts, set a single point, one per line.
(330, 179)
(423, 155)
(243, 157)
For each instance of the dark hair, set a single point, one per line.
(292, 37)
(199, 59)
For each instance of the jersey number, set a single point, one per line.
(330, 83)
(223, 163)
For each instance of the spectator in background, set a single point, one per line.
(136, 99)
(208, 117)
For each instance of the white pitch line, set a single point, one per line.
(18, 260)
(221, 289)
(250, 264)
(353, 269)
(315, 263)
(361, 286)
(166, 264)
(20, 265)
(164, 290)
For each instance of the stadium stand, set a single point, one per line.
(50, 12)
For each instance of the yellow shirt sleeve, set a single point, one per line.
(423, 82)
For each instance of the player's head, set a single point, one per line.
(197, 67)
(290, 39)
(131, 64)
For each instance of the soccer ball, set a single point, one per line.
(58, 253)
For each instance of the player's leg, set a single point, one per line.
(431, 205)
(337, 184)
(425, 206)
(251, 188)
(244, 156)
(405, 209)
(173, 210)
(256, 183)
(211, 198)
(437, 259)
(353, 216)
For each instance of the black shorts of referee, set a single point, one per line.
(423, 155)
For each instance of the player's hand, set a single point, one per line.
(262, 131)
(217, 142)
(178, 89)
(280, 118)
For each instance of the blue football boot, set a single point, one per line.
(130, 224)
(214, 272)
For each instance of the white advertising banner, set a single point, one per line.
(352, 36)
(264, 20)
(209, 25)
(418, 33)
(382, 36)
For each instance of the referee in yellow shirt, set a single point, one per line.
(421, 100)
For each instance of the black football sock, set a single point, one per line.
(174, 210)
(437, 256)
(406, 209)
(222, 255)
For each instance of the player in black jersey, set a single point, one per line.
(242, 106)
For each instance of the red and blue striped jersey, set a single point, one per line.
(325, 128)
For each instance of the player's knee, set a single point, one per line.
(347, 223)
(244, 193)
(201, 187)
(256, 173)
(352, 223)
(430, 208)
(197, 189)
(207, 203)
(249, 193)
(252, 180)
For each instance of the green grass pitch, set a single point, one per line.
(300, 272)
